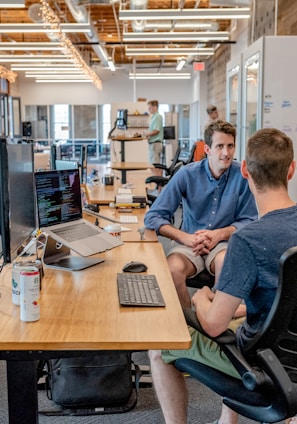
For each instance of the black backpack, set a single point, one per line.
(106, 382)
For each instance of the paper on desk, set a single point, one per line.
(125, 228)
(124, 190)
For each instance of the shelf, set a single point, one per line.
(139, 126)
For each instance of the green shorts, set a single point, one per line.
(205, 351)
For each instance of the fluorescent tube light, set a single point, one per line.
(61, 80)
(111, 65)
(21, 28)
(151, 75)
(175, 36)
(174, 14)
(180, 64)
(11, 46)
(36, 67)
(15, 4)
(170, 51)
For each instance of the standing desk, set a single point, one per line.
(124, 139)
(80, 312)
(129, 166)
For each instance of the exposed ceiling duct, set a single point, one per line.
(80, 14)
(138, 26)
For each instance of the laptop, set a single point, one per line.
(59, 208)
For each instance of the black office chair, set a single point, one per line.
(190, 157)
(169, 170)
(160, 182)
(267, 390)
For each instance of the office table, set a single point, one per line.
(104, 194)
(126, 236)
(129, 166)
(80, 312)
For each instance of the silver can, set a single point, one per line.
(17, 267)
(29, 295)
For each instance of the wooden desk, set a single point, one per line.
(104, 194)
(129, 166)
(126, 236)
(80, 312)
(123, 140)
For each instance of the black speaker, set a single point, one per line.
(27, 129)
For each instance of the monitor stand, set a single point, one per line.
(58, 256)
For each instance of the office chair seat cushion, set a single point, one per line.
(221, 383)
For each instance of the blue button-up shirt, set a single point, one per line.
(207, 202)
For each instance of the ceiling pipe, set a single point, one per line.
(80, 14)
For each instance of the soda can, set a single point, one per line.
(29, 295)
(17, 267)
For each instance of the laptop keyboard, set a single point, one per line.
(139, 290)
(76, 232)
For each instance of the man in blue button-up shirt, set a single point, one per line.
(216, 200)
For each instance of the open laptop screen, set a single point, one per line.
(58, 196)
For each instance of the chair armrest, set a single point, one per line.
(160, 166)
(157, 180)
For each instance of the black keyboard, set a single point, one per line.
(139, 290)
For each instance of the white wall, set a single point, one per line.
(116, 89)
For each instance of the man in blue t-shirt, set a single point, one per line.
(249, 273)
(216, 200)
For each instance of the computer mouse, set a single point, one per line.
(134, 267)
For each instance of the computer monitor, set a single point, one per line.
(17, 198)
(169, 133)
(122, 119)
(66, 164)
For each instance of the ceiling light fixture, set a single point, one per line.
(169, 51)
(180, 64)
(62, 80)
(176, 36)
(177, 14)
(15, 46)
(33, 67)
(111, 65)
(46, 27)
(151, 75)
(15, 4)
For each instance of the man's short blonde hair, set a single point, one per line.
(153, 103)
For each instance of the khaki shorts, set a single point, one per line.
(155, 150)
(200, 262)
(205, 351)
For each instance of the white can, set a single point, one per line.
(29, 295)
(17, 267)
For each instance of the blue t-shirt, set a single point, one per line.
(207, 202)
(251, 265)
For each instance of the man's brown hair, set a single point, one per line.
(269, 153)
(218, 126)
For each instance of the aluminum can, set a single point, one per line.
(29, 295)
(17, 267)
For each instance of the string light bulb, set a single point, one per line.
(51, 19)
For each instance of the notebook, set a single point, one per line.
(59, 208)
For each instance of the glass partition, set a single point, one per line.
(251, 95)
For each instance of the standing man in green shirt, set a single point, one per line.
(155, 135)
